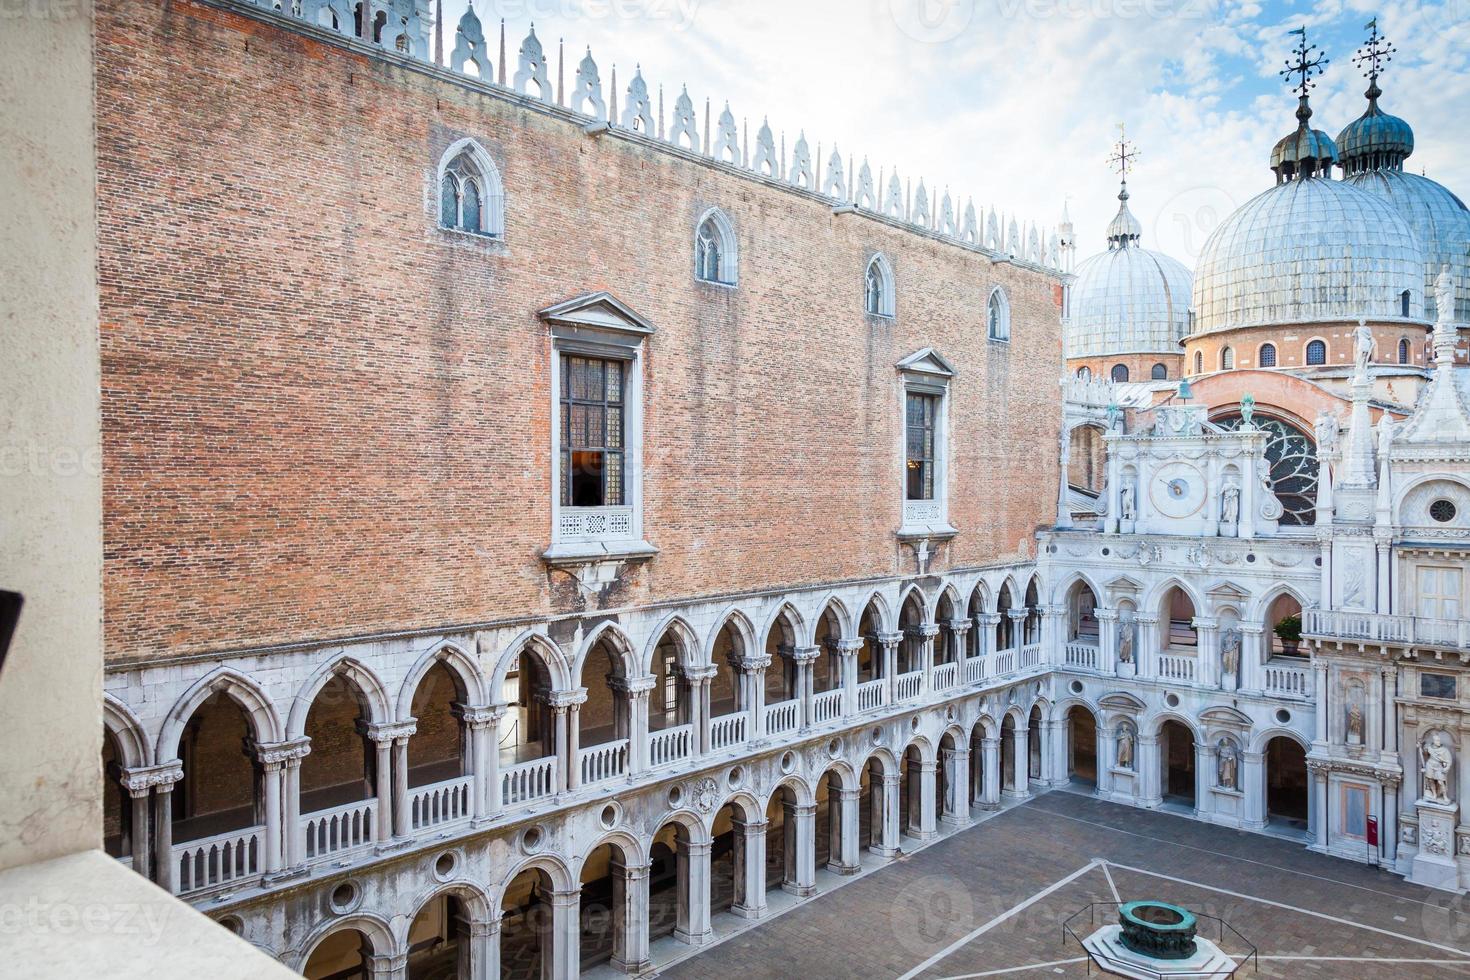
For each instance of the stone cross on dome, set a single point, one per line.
(1124, 230)
(1372, 56)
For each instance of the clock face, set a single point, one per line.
(1178, 490)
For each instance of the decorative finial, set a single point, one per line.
(1371, 58)
(1125, 154)
(1309, 64)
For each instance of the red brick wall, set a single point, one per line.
(324, 417)
(1291, 344)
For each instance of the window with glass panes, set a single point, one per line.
(592, 432)
(919, 425)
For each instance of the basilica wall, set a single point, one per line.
(1291, 343)
(324, 416)
(1139, 367)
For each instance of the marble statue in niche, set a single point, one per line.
(1353, 723)
(1227, 765)
(1230, 504)
(1127, 638)
(1436, 765)
(1125, 747)
(1128, 502)
(1230, 653)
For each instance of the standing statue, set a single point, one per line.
(1128, 502)
(1115, 412)
(1125, 747)
(1385, 437)
(1354, 722)
(1247, 411)
(1125, 641)
(1365, 345)
(1327, 430)
(1230, 504)
(1437, 763)
(1227, 767)
(1230, 652)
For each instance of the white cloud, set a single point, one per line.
(1016, 101)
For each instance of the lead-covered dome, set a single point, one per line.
(1129, 299)
(1441, 222)
(1309, 249)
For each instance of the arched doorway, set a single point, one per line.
(438, 765)
(870, 657)
(1082, 746)
(604, 723)
(439, 944)
(526, 934)
(729, 720)
(1287, 786)
(610, 930)
(675, 908)
(782, 676)
(790, 848)
(341, 955)
(1176, 755)
(219, 802)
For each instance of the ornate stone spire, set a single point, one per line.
(1124, 230)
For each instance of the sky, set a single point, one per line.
(1017, 103)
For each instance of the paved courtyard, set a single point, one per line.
(990, 901)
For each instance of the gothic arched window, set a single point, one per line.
(714, 250)
(1084, 373)
(1317, 352)
(1160, 372)
(1292, 457)
(1120, 373)
(1267, 357)
(998, 315)
(1227, 359)
(1404, 350)
(470, 194)
(1199, 362)
(878, 298)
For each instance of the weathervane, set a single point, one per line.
(1124, 154)
(1307, 65)
(1372, 56)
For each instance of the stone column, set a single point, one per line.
(753, 676)
(844, 857)
(166, 870)
(392, 966)
(956, 782)
(991, 773)
(564, 958)
(1390, 715)
(1149, 771)
(1317, 808)
(1107, 640)
(1204, 779)
(886, 828)
(1323, 702)
(1252, 656)
(1018, 630)
(847, 652)
(1388, 830)
(750, 867)
(1146, 653)
(484, 940)
(1106, 747)
(1020, 787)
(923, 636)
(693, 925)
(1207, 653)
(142, 853)
(1058, 738)
(493, 800)
(890, 642)
(381, 735)
(801, 849)
(401, 822)
(926, 828)
(959, 629)
(271, 770)
(638, 691)
(481, 724)
(630, 918)
(1053, 633)
(565, 729)
(1253, 783)
(985, 625)
(700, 680)
(804, 658)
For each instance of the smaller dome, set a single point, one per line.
(1375, 140)
(1307, 152)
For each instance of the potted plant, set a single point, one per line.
(1289, 630)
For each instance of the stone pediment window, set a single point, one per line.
(925, 375)
(599, 346)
